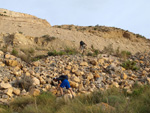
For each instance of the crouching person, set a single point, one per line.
(63, 83)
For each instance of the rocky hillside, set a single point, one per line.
(103, 31)
(86, 74)
(28, 29)
(26, 35)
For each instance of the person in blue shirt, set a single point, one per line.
(63, 83)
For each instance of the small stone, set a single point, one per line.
(8, 56)
(96, 75)
(115, 84)
(16, 91)
(93, 62)
(5, 85)
(68, 67)
(83, 64)
(89, 76)
(101, 61)
(148, 79)
(5, 96)
(66, 72)
(36, 63)
(27, 74)
(12, 63)
(124, 76)
(9, 92)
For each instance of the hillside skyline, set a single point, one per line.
(127, 15)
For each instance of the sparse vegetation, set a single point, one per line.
(14, 52)
(140, 36)
(94, 52)
(25, 82)
(26, 57)
(67, 51)
(118, 100)
(28, 53)
(130, 65)
(2, 14)
(48, 38)
(108, 49)
(122, 54)
(125, 54)
(38, 57)
(31, 51)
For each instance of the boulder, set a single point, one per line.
(75, 79)
(16, 91)
(73, 84)
(34, 92)
(35, 81)
(12, 63)
(8, 56)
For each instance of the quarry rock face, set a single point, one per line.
(22, 18)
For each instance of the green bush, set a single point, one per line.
(125, 53)
(38, 57)
(14, 52)
(70, 51)
(21, 102)
(108, 49)
(54, 53)
(122, 103)
(94, 52)
(5, 109)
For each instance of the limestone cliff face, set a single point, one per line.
(11, 17)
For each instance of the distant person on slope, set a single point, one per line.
(82, 46)
(62, 83)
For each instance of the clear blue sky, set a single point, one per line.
(132, 15)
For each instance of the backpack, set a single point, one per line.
(82, 43)
(63, 77)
